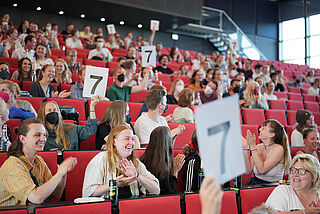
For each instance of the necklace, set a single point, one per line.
(266, 146)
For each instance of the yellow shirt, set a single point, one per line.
(15, 181)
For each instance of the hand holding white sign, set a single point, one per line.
(149, 55)
(154, 25)
(111, 29)
(95, 82)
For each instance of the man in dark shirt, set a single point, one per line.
(235, 89)
(247, 71)
(164, 60)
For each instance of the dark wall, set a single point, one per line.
(41, 19)
(257, 18)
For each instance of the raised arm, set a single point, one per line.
(138, 88)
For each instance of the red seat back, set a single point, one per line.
(279, 115)
(311, 106)
(134, 110)
(291, 117)
(97, 63)
(316, 117)
(89, 143)
(14, 211)
(294, 150)
(251, 198)
(66, 87)
(35, 101)
(13, 63)
(13, 123)
(155, 205)
(138, 97)
(253, 116)
(309, 98)
(75, 177)
(289, 130)
(170, 110)
(51, 160)
(3, 157)
(184, 138)
(164, 77)
(295, 105)
(253, 129)
(294, 96)
(100, 108)
(294, 89)
(185, 79)
(278, 104)
(78, 104)
(280, 94)
(104, 207)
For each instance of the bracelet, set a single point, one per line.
(137, 175)
(245, 149)
(254, 150)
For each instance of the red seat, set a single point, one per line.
(134, 110)
(278, 104)
(13, 63)
(51, 160)
(174, 67)
(289, 130)
(53, 57)
(251, 198)
(164, 77)
(75, 78)
(89, 143)
(280, 94)
(294, 96)
(111, 66)
(309, 98)
(57, 52)
(295, 105)
(316, 118)
(170, 110)
(97, 63)
(294, 89)
(154, 205)
(185, 79)
(291, 115)
(253, 116)
(138, 97)
(14, 211)
(104, 207)
(35, 101)
(13, 123)
(101, 108)
(311, 106)
(184, 138)
(3, 157)
(66, 87)
(304, 91)
(306, 85)
(119, 52)
(75, 177)
(110, 81)
(318, 98)
(294, 150)
(253, 129)
(26, 85)
(279, 115)
(78, 104)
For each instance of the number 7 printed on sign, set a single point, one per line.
(95, 82)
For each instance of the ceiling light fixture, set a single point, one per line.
(82, 16)
(139, 25)
(103, 19)
(38, 8)
(121, 22)
(15, 5)
(61, 12)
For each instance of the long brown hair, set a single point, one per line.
(115, 114)
(281, 138)
(113, 159)
(20, 76)
(173, 87)
(158, 157)
(16, 147)
(62, 139)
(66, 75)
(192, 148)
(40, 74)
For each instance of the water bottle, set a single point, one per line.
(113, 191)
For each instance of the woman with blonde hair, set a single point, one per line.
(118, 162)
(183, 113)
(270, 159)
(175, 90)
(65, 136)
(63, 75)
(253, 97)
(116, 114)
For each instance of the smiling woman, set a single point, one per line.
(119, 163)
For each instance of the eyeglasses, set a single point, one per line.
(300, 171)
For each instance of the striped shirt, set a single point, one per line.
(15, 181)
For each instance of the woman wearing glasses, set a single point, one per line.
(303, 191)
(311, 142)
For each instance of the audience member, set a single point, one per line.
(72, 61)
(260, 82)
(183, 113)
(119, 163)
(86, 33)
(217, 76)
(173, 94)
(175, 54)
(247, 70)
(26, 177)
(210, 93)
(274, 79)
(63, 74)
(209, 76)
(24, 72)
(76, 91)
(304, 120)
(182, 71)
(257, 71)
(43, 88)
(158, 159)
(162, 68)
(27, 50)
(53, 41)
(4, 70)
(66, 136)
(41, 57)
(132, 54)
(118, 91)
(18, 109)
(310, 77)
(130, 75)
(186, 56)
(5, 23)
(311, 142)
(303, 192)
(314, 89)
(31, 31)
(23, 27)
(144, 71)
(158, 50)
(74, 41)
(5, 133)
(266, 74)
(99, 32)
(100, 53)
(156, 102)
(253, 97)
(112, 43)
(270, 159)
(116, 114)
(11, 43)
(67, 32)
(268, 95)
(196, 81)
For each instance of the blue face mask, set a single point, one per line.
(4, 74)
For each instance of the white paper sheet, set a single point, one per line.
(95, 82)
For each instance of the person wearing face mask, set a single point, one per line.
(208, 77)
(116, 114)
(4, 71)
(5, 133)
(118, 91)
(253, 97)
(183, 113)
(304, 119)
(210, 93)
(156, 102)
(74, 41)
(66, 136)
(100, 53)
(176, 88)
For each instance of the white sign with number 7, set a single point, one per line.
(149, 55)
(95, 82)
(219, 139)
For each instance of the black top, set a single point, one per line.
(190, 174)
(124, 192)
(279, 87)
(171, 99)
(164, 70)
(102, 131)
(168, 185)
(205, 82)
(37, 91)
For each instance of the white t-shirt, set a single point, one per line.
(104, 53)
(297, 138)
(284, 199)
(313, 91)
(182, 115)
(39, 64)
(73, 44)
(21, 53)
(144, 126)
(255, 75)
(270, 97)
